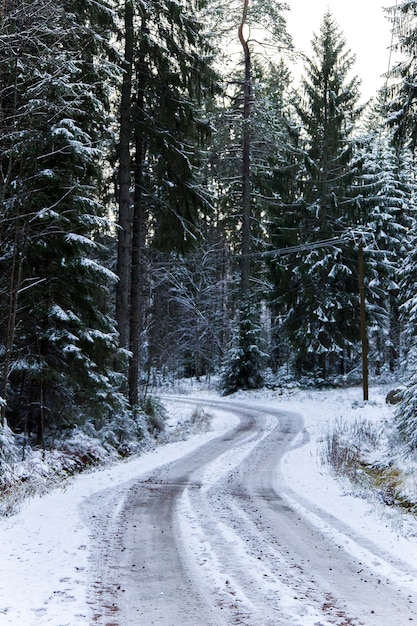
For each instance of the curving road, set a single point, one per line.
(217, 538)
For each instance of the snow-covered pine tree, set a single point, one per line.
(266, 125)
(320, 302)
(403, 75)
(403, 120)
(387, 189)
(60, 346)
(247, 151)
(245, 361)
(172, 80)
(406, 413)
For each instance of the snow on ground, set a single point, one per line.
(45, 547)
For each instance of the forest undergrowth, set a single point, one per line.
(26, 471)
(373, 461)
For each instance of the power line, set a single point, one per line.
(306, 247)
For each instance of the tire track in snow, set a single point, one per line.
(216, 539)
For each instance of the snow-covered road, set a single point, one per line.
(218, 537)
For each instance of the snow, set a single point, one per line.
(96, 267)
(44, 569)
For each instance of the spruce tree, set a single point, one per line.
(172, 80)
(405, 416)
(403, 75)
(243, 166)
(320, 301)
(245, 360)
(387, 190)
(60, 344)
(403, 120)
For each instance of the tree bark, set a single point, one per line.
(138, 234)
(246, 226)
(15, 279)
(364, 338)
(124, 234)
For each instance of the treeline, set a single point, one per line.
(172, 204)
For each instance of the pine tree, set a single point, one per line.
(320, 302)
(251, 136)
(387, 192)
(403, 120)
(249, 127)
(405, 416)
(61, 344)
(403, 76)
(245, 360)
(172, 81)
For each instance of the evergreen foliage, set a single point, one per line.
(319, 305)
(402, 108)
(165, 121)
(270, 146)
(174, 83)
(387, 191)
(72, 111)
(60, 344)
(245, 361)
(406, 418)
(403, 85)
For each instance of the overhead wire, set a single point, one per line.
(314, 245)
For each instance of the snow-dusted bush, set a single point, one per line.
(8, 456)
(155, 413)
(82, 448)
(124, 433)
(363, 452)
(198, 422)
(347, 444)
(8, 449)
(26, 471)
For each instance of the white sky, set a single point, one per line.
(365, 27)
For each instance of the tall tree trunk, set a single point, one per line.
(246, 227)
(15, 280)
(394, 329)
(124, 235)
(138, 235)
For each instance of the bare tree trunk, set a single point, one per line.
(394, 330)
(138, 236)
(246, 226)
(124, 235)
(16, 269)
(15, 279)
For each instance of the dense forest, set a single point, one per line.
(174, 203)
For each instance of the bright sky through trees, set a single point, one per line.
(365, 26)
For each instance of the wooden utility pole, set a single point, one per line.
(364, 338)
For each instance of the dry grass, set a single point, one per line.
(359, 451)
(198, 422)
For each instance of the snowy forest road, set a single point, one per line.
(217, 538)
